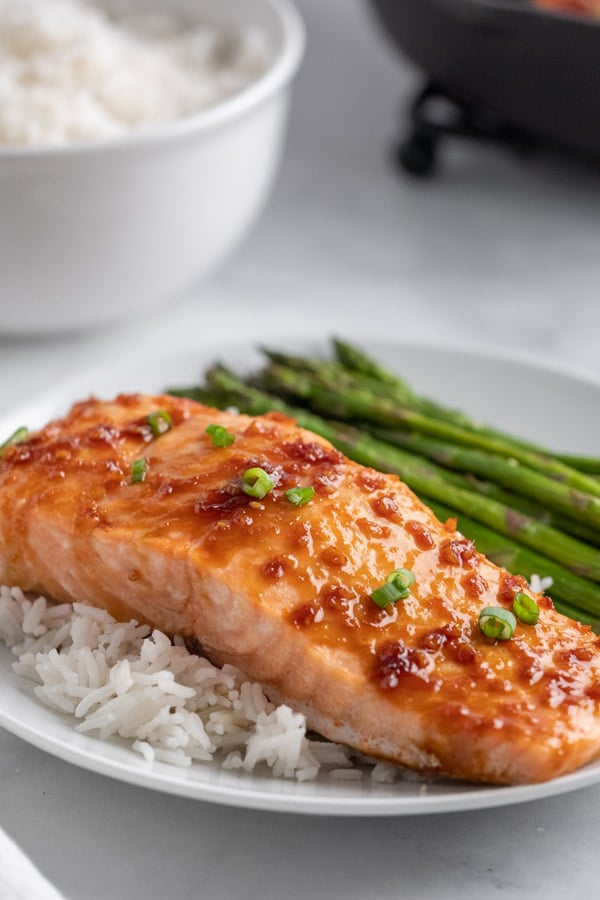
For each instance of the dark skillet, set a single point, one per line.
(536, 72)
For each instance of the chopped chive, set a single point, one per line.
(219, 436)
(257, 483)
(300, 495)
(497, 623)
(397, 587)
(385, 595)
(17, 437)
(403, 580)
(159, 422)
(525, 608)
(139, 468)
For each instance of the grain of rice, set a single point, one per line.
(328, 754)
(32, 620)
(233, 760)
(384, 773)
(93, 698)
(145, 750)
(539, 584)
(54, 699)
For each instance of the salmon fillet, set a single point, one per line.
(284, 591)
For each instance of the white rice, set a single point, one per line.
(70, 71)
(539, 584)
(123, 681)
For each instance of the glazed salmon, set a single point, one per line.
(281, 585)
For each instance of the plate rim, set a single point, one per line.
(474, 350)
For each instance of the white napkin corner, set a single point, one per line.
(19, 878)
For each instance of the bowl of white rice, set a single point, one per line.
(139, 141)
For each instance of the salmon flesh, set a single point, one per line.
(283, 591)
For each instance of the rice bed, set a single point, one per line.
(126, 680)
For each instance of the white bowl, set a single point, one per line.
(95, 232)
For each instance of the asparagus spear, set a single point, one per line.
(430, 482)
(224, 389)
(520, 504)
(196, 392)
(398, 390)
(327, 397)
(367, 373)
(588, 464)
(508, 473)
(535, 509)
(358, 362)
(359, 371)
(571, 594)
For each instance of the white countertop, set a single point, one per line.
(492, 252)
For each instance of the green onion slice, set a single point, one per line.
(397, 587)
(525, 608)
(387, 594)
(219, 436)
(402, 579)
(17, 437)
(497, 623)
(257, 483)
(139, 467)
(299, 496)
(159, 422)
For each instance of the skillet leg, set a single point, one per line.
(436, 115)
(417, 154)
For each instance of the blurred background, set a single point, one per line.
(493, 248)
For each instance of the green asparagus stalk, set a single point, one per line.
(508, 473)
(224, 389)
(533, 508)
(327, 397)
(588, 464)
(358, 362)
(361, 365)
(430, 483)
(371, 375)
(196, 392)
(572, 595)
(398, 391)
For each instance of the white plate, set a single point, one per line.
(552, 407)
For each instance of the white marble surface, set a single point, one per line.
(493, 252)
